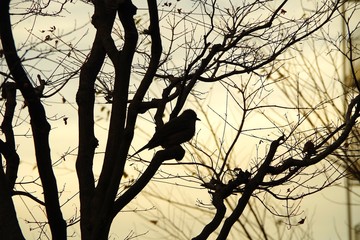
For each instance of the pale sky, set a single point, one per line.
(325, 211)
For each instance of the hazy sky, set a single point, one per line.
(325, 212)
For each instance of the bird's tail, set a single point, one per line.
(138, 151)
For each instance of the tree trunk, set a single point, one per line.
(87, 141)
(9, 225)
(39, 125)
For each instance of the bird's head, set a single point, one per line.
(190, 114)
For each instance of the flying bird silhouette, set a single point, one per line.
(178, 130)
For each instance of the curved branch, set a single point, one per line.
(249, 189)
(39, 125)
(295, 164)
(22, 193)
(176, 152)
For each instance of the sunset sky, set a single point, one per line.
(325, 212)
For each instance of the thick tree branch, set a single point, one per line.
(156, 49)
(39, 125)
(218, 201)
(9, 225)
(249, 189)
(116, 152)
(87, 141)
(176, 152)
(8, 148)
(187, 89)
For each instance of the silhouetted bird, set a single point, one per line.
(178, 130)
(309, 148)
(302, 220)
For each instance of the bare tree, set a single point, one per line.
(339, 53)
(178, 49)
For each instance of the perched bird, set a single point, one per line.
(302, 220)
(178, 130)
(309, 148)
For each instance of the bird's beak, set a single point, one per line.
(198, 119)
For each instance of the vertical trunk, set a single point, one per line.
(118, 140)
(8, 149)
(9, 225)
(87, 141)
(39, 125)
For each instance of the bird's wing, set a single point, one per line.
(177, 138)
(174, 132)
(175, 125)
